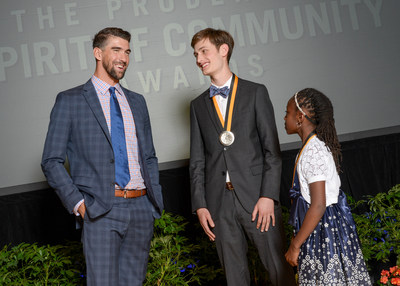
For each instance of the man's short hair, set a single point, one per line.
(100, 39)
(216, 37)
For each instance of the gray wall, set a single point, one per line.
(346, 48)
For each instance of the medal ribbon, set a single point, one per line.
(230, 112)
(312, 135)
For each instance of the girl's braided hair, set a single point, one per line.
(321, 111)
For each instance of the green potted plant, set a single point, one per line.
(378, 225)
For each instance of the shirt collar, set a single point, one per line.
(227, 83)
(103, 88)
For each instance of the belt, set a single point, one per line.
(129, 194)
(229, 186)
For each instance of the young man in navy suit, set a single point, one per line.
(113, 181)
(235, 165)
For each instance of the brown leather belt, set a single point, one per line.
(229, 186)
(129, 194)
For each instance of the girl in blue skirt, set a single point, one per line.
(325, 247)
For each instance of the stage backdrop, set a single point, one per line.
(348, 49)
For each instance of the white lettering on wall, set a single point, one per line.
(180, 78)
(139, 7)
(69, 13)
(80, 43)
(375, 11)
(18, 14)
(112, 6)
(166, 6)
(298, 33)
(253, 61)
(138, 44)
(313, 17)
(168, 41)
(45, 17)
(8, 58)
(155, 81)
(269, 25)
(44, 54)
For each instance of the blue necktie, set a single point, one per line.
(122, 176)
(224, 92)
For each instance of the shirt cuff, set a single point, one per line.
(77, 207)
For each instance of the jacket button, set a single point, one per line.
(112, 161)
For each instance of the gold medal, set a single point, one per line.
(227, 138)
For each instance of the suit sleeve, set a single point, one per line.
(197, 163)
(54, 154)
(268, 135)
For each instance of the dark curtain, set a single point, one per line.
(369, 166)
(36, 216)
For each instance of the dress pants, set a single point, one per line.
(232, 224)
(116, 245)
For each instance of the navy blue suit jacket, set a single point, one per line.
(78, 131)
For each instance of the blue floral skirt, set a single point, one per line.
(331, 255)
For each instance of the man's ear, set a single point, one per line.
(98, 53)
(224, 49)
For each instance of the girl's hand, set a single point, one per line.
(292, 255)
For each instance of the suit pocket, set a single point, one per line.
(257, 170)
(83, 183)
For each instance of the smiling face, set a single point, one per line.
(112, 60)
(209, 59)
(291, 117)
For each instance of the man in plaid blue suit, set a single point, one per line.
(117, 218)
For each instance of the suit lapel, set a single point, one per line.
(89, 93)
(238, 101)
(211, 111)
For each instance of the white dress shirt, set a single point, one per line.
(222, 104)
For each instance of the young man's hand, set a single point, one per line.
(265, 210)
(206, 222)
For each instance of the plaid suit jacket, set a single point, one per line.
(78, 131)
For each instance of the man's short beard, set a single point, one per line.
(111, 71)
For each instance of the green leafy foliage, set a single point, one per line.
(178, 257)
(378, 225)
(30, 264)
(206, 254)
(172, 258)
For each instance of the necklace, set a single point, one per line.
(309, 137)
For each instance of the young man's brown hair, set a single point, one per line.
(216, 37)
